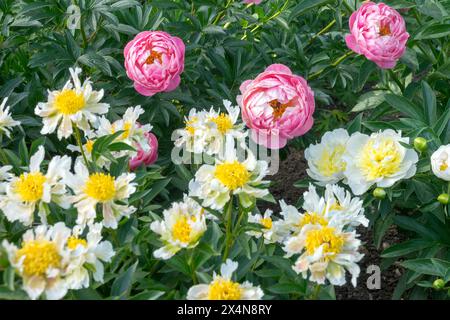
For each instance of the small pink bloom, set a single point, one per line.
(378, 32)
(277, 106)
(145, 156)
(253, 1)
(154, 60)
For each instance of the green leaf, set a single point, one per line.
(122, 285)
(405, 106)
(406, 247)
(433, 32)
(305, 6)
(430, 266)
(429, 99)
(369, 100)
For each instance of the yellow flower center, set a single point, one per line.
(89, 146)
(154, 55)
(380, 158)
(69, 102)
(443, 166)
(73, 242)
(335, 206)
(279, 108)
(39, 256)
(101, 187)
(223, 123)
(126, 129)
(385, 30)
(232, 174)
(190, 125)
(313, 218)
(222, 289)
(181, 230)
(266, 222)
(30, 186)
(330, 162)
(326, 236)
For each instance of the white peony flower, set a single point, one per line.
(91, 251)
(6, 121)
(378, 159)
(440, 162)
(269, 226)
(325, 158)
(183, 225)
(35, 189)
(100, 188)
(42, 261)
(214, 184)
(76, 104)
(325, 253)
(224, 288)
(206, 131)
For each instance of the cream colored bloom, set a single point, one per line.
(378, 159)
(42, 261)
(35, 189)
(90, 251)
(268, 230)
(183, 225)
(440, 162)
(6, 121)
(214, 184)
(224, 288)
(206, 131)
(100, 188)
(76, 104)
(326, 252)
(325, 158)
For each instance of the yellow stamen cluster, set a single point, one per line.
(101, 187)
(266, 222)
(154, 55)
(126, 129)
(330, 162)
(190, 125)
(313, 218)
(181, 230)
(30, 186)
(385, 30)
(443, 166)
(73, 242)
(89, 146)
(380, 158)
(223, 289)
(326, 236)
(38, 256)
(69, 102)
(223, 123)
(233, 175)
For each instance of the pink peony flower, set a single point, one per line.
(277, 106)
(145, 156)
(379, 33)
(253, 1)
(154, 60)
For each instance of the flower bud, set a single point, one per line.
(443, 198)
(420, 144)
(379, 193)
(438, 284)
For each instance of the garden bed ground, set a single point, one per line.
(293, 169)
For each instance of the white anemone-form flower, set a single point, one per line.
(42, 261)
(440, 162)
(100, 188)
(6, 121)
(325, 163)
(207, 131)
(378, 159)
(269, 226)
(325, 253)
(133, 131)
(36, 189)
(224, 288)
(76, 104)
(183, 225)
(92, 251)
(214, 184)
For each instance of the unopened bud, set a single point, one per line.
(443, 198)
(379, 193)
(439, 284)
(420, 144)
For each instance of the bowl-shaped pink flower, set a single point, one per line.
(378, 32)
(277, 106)
(154, 60)
(145, 156)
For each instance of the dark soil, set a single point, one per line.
(293, 169)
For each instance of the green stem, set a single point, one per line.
(325, 29)
(80, 144)
(222, 13)
(315, 293)
(228, 234)
(82, 31)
